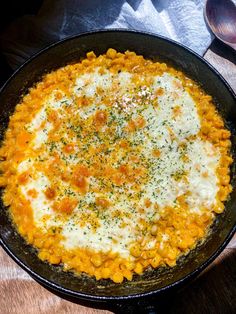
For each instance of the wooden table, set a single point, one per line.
(214, 291)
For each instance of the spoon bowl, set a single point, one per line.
(220, 16)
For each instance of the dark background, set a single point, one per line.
(9, 11)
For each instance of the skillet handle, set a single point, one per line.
(131, 309)
(143, 306)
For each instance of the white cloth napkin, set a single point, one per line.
(181, 20)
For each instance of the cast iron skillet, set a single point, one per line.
(152, 283)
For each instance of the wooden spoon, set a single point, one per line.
(220, 16)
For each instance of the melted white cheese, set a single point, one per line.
(162, 187)
(87, 84)
(40, 204)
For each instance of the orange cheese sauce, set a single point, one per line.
(106, 165)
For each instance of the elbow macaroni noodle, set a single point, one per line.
(115, 165)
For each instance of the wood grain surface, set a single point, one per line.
(214, 291)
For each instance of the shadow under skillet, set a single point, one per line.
(222, 50)
(212, 292)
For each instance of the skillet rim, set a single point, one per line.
(91, 297)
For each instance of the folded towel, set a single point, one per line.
(181, 20)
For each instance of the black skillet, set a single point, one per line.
(141, 292)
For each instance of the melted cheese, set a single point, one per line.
(168, 175)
